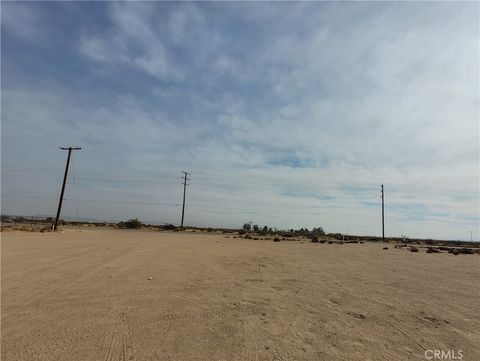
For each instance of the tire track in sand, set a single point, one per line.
(120, 346)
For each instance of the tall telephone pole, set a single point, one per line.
(60, 202)
(383, 216)
(185, 179)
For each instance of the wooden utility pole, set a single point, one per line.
(383, 216)
(60, 202)
(185, 179)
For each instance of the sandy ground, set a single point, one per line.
(86, 295)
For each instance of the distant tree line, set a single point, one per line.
(316, 231)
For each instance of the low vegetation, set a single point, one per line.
(133, 223)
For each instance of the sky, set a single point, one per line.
(286, 114)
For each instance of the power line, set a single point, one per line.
(259, 211)
(152, 177)
(439, 195)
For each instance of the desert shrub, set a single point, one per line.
(133, 223)
(167, 227)
(337, 236)
(314, 239)
(413, 249)
(276, 239)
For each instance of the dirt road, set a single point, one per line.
(106, 295)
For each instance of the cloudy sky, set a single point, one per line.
(286, 114)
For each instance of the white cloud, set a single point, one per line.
(20, 19)
(131, 40)
(94, 48)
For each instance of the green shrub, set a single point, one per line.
(133, 223)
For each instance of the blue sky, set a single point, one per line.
(286, 114)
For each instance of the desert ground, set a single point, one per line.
(99, 294)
